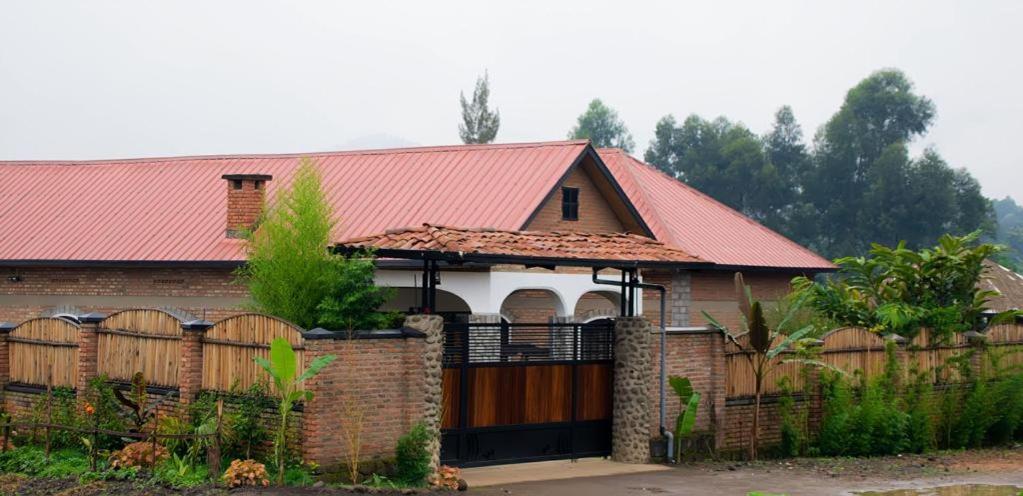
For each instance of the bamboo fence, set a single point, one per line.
(44, 351)
(853, 349)
(230, 345)
(140, 340)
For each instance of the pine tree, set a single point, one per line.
(479, 124)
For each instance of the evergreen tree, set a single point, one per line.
(600, 124)
(479, 124)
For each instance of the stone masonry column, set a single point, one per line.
(432, 376)
(88, 348)
(630, 436)
(319, 435)
(5, 356)
(190, 371)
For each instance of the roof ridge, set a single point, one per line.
(243, 156)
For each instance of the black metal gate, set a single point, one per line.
(526, 392)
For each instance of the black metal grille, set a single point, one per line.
(488, 344)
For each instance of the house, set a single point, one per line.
(527, 250)
(82, 236)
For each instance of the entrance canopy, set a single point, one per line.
(456, 246)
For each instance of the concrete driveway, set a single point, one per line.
(726, 479)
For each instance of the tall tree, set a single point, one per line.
(879, 112)
(726, 161)
(601, 125)
(479, 123)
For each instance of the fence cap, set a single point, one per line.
(896, 338)
(92, 318)
(975, 337)
(7, 327)
(318, 333)
(196, 325)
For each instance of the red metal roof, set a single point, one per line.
(172, 209)
(684, 217)
(618, 247)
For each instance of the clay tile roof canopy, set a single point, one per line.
(459, 245)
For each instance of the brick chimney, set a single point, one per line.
(245, 194)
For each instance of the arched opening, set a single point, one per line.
(449, 305)
(596, 305)
(532, 306)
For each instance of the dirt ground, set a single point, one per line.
(809, 476)
(18, 485)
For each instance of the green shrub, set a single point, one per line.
(793, 435)
(412, 456)
(178, 472)
(31, 461)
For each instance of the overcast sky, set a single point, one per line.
(102, 79)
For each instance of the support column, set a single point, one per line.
(630, 437)
(431, 378)
(190, 371)
(88, 350)
(719, 388)
(5, 357)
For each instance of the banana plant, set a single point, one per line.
(760, 353)
(688, 402)
(283, 370)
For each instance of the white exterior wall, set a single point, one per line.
(484, 292)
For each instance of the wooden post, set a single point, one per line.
(49, 415)
(213, 454)
(7, 433)
(156, 429)
(95, 439)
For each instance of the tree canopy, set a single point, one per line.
(600, 124)
(291, 272)
(479, 124)
(856, 185)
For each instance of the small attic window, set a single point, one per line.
(236, 183)
(569, 203)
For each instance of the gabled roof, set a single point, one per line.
(684, 217)
(173, 209)
(1007, 283)
(540, 247)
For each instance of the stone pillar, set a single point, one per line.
(630, 437)
(5, 356)
(320, 435)
(431, 384)
(88, 350)
(190, 370)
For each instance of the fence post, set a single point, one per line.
(719, 388)
(978, 343)
(88, 349)
(5, 358)
(190, 371)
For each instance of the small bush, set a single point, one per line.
(412, 456)
(139, 454)
(246, 473)
(179, 473)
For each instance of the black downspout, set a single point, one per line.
(633, 283)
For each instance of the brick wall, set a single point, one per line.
(198, 291)
(698, 355)
(530, 306)
(595, 214)
(714, 292)
(378, 375)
